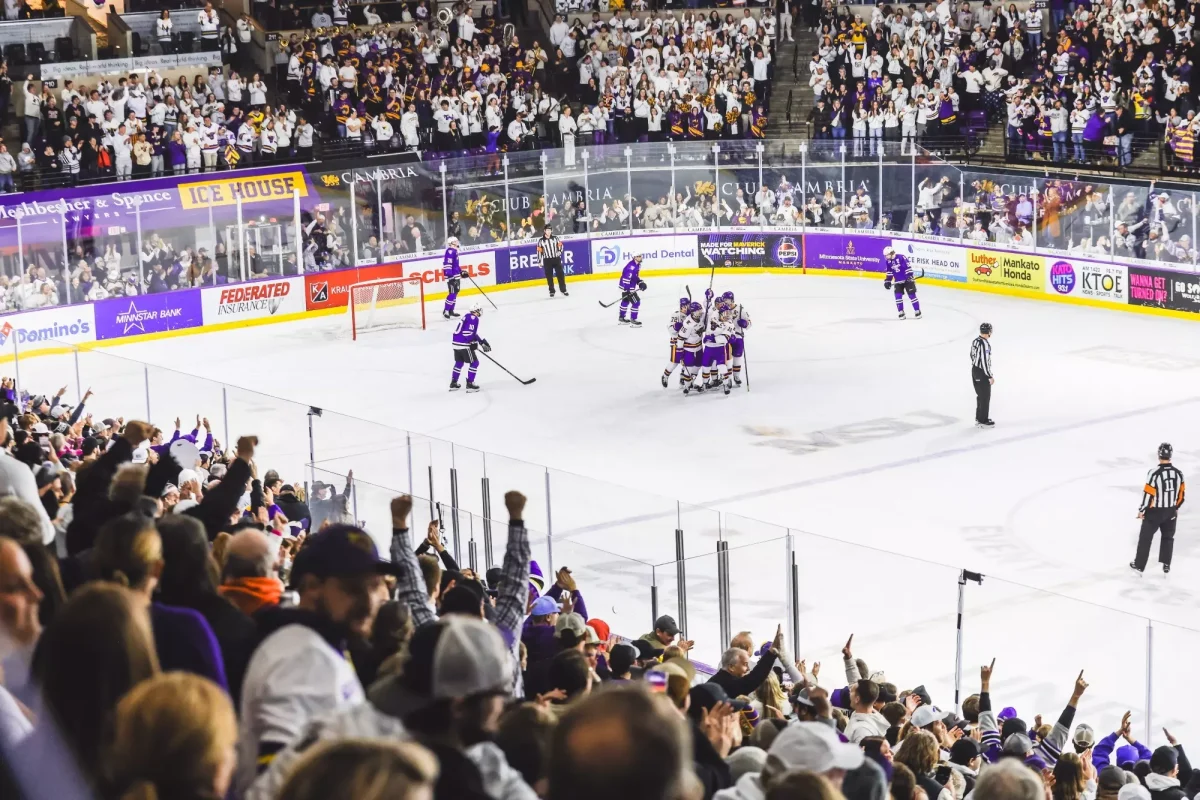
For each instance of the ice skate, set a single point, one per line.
(633, 323)
(902, 315)
(728, 387)
(737, 381)
(1166, 569)
(1136, 572)
(666, 380)
(472, 387)
(917, 315)
(987, 423)
(622, 321)
(455, 386)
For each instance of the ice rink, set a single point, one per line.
(857, 435)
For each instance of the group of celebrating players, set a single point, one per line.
(708, 342)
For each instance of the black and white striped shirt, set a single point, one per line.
(981, 356)
(1164, 488)
(549, 247)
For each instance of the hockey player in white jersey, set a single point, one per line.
(689, 339)
(715, 364)
(737, 341)
(676, 351)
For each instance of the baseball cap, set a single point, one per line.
(621, 658)
(40, 427)
(816, 747)
(456, 657)
(1113, 777)
(667, 625)
(800, 697)
(707, 695)
(965, 749)
(544, 606)
(1133, 791)
(1164, 759)
(340, 550)
(927, 715)
(571, 622)
(1085, 737)
(1018, 744)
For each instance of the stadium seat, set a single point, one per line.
(64, 49)
(140, 48)
(185, 42)
(37, 53)
(15, 53)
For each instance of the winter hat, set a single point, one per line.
(1133, 791)
(1006, 714)
(1164, 759)
(1112, 778)
(746, 761)
(867, 782)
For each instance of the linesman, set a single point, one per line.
(981, 375)
(550, 252)
(1159, 511)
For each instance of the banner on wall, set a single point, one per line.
(1091, 279)
(520, 263)
(71, 324)
(87, 211)
(1014, 270)
(332, 289)
(148, 313)
(945, 261)
(1163, 289)
(480, 265)
(849, 252)
(248, 301)
(749, 250)
(658, 252)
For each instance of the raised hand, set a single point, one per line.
(400, 507)
(846, 652)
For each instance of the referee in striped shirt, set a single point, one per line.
(550, 251)
(981, 375)
(1159, 511)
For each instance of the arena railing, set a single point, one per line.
(637, 555)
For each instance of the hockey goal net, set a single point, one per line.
(387, 303)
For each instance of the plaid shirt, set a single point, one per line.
(512, 599)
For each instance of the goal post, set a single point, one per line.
(386, 303)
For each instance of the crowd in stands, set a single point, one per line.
(418, 84)
(1070, 82)
(176, 622)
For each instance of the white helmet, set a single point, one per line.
(452, 241)
(476, 309)
(889, 251)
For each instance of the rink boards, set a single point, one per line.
(1045, 275)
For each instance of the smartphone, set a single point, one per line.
(657, 681)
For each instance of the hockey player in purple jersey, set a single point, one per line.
(900, 275)
(676, 350)
(630, 284)
(737, 340)
(452, 272)
(466, 338)
(714, 372)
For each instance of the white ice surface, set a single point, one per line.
(858, 431)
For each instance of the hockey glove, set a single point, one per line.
(642, 285)
(743, 323)
(708, 294)
(887, 283)
(487, 348)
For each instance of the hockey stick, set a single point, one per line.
(746, 365)
(501, 366)
(613, 303)
(481, 291)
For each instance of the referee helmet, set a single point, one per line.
(1165, 450)
(986, 327)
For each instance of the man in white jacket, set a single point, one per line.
(16, 480)
(865, 720)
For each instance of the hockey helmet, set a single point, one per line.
(727, 297)
(638, 258)
(889, 251)
(695, 308)
(985, 327)
(476, 309)
(1165, 451)
(685, 303)
(452, 242)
